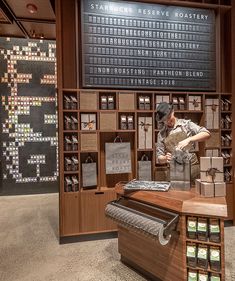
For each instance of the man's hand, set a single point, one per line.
(164, 158)
(168, 157)
(182, 144)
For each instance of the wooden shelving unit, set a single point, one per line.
(208, 244)
(82, 211)
(169, 262)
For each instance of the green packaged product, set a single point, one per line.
(202, 229)
(202, 257)
(203, 276)
(215, 258)
(191, 255)
(214, 230)
(192, 228)
(192, 275)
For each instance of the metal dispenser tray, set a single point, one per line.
(151, 221)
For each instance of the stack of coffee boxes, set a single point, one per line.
(211, 182)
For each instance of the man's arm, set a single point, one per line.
(162, 156)
(199, 134)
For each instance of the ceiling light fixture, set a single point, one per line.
(32, 8)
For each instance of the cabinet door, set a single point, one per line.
(92, 211)
(70, 214)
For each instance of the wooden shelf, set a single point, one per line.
(89, 151)
(89, 110)
(89, 190)
(70, 131)
(88, 131)
(70, 172)
(189, 111)
(108, 110)
(71, 192)
(70, 110)
(145, 111)
(125, 131)
(208, 269)
(146, 149)
(203, 242)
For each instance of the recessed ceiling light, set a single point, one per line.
(32, 8)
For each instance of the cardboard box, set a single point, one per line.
(220, 189)
(108, 121)
(212, 113)
(211, 169)
(194, 102)
(145, 129)
(214, 140)
(89, 142)
(88, 101)
(88, 122)
(162, 98)
(126, 101)
(212, 152)
(198, 186)
(207, 189)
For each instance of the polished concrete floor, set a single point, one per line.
(30, 251)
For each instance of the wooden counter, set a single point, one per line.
(168, 263)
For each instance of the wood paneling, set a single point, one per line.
(181, 201)
(92, 211)
(230, 200)
(69, 53)
(165, 262)
(70, 214)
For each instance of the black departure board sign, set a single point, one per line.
(149, 46)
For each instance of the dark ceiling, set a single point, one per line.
(27, 18)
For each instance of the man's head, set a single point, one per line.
(165, 114)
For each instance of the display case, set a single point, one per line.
(90, 117)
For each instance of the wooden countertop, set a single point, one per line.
(185, 202)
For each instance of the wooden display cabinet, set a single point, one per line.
(92, 211)
(108, 127)
(151, 259)
(71, 213)
(76, 205)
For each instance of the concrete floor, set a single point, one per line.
(30, 251)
